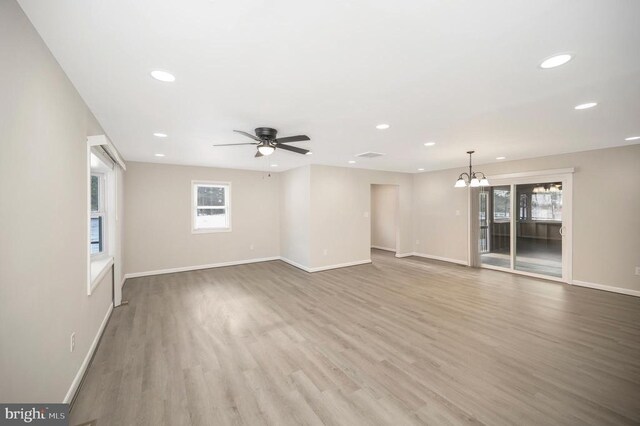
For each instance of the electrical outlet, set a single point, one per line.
(637, 270)
(325, 252)
(457, 212)
(417, 242)
(366, 214)
(251, 247)
(73, 341)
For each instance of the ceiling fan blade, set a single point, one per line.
(258, 154)
(292, 149)
(290, 139)
(236, 144)
(249, 135)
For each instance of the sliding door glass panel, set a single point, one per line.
(497, 234)
(483, 239)
(539, 228)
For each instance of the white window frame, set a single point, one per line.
(194, 208)
(101, 213)
(99, 264)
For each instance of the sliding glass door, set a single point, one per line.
(524, 226)
(539, 228)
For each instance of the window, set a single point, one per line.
(102, 206)
(547, 206)
(524, 206)
(211, 208)
(541, 202)
(501, 203)
(98, 214)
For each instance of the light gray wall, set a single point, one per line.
(440, 220)
(606, 212)
(158, 218)
(384, 207)
(43, 240)
(340, 213)
(295, 207)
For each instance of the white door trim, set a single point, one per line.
(532, 173)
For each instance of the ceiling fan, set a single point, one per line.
(266, 141)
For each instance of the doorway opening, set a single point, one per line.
(384, 217)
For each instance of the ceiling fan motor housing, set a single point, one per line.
(266, 133)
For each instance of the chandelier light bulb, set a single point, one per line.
(460, 183)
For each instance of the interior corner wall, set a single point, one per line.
(340, 213)
(440, 222)
(158, 218)
(118, 262)
(384, 206)
(606, 212)
(44, 125)
(295, 215)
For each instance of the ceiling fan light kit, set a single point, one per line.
(267, 143)
(266, 149)
(471, 179)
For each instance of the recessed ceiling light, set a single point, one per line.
(556, 61)
(429, 143)
(500, 158)
(167, 77)
(421, 170)
(159, 155)
(160, 135)
(274, 165)
(382, 126)
(352, 162)
(632, 138)
(309, 153)
(586, 106)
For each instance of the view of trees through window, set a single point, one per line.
(501, 203)
(545, 203)
(95, 188)
(211, 206)
(211, 196)
(546, 206)
(540, 202)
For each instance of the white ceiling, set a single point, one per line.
(464, 74)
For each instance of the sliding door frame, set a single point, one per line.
(556, 175)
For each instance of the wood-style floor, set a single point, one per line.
(401, 341)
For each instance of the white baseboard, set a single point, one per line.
(339, 265)
(198, 267)
(324, 268)
(404, 254)
(443, 259)
(296, 264)
(612, 289)
(83, 367)
(384, 248)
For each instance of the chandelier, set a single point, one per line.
(472, 178)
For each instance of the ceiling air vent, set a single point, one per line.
(370, 154)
